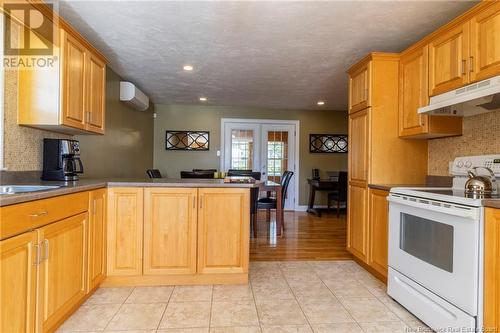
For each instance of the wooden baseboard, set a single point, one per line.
(168, 280)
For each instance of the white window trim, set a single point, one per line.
(296, 123)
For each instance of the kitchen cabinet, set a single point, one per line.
(413, 93)
(223, 230)
(18, 279)
(170, 229)
(63, 269)
(125, 231)
(96, 238)
(448, 55)
(357, 230)
(358, 144)
(492, 269)
(378, 230)
(69, 95)
(359, 88)
(378, 155)
(484, 43)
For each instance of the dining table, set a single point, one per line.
(269, 187)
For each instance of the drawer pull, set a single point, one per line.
(38, 214)
(46, 249)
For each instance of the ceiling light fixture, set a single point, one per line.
(203, 99)
(187, 68)
(321, 103)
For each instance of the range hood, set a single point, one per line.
(476, 98)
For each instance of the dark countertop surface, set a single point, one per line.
(91, 184)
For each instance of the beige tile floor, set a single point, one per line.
(299, 296)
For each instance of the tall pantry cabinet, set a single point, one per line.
(376, 153)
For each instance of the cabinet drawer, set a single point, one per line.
(30, 215)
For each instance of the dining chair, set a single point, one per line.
(339, 196)
(254, 194)
(272, 203)
(153, 173)
(198, 175)
(205, 170)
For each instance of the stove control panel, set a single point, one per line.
(461, 165)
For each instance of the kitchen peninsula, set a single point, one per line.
(117, 233)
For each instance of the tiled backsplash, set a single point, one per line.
(481, 136)
(23, 148)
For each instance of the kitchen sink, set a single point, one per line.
(14, 189)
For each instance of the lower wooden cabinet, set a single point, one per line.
(378, 231)
(223, 230)
(492, 270)
(96, 238)
(63, 269)
(188, 235)
(125, 234)
(18, 278)
(357, 226)
(170, 222)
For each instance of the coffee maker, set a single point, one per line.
(61, 160)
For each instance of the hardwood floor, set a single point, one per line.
(306, 237)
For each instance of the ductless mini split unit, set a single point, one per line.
(132, 96)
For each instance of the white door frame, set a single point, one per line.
(296, 160)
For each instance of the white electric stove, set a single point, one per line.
(436, 250)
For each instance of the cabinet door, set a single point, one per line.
(378, 231)
(63, 269)
(485, 44)
(358, 146)
(448, 54)
(18, 283)
(170, 218)
(492, 270)
(223, 230)
(73, 62)
(125, 219)
(96, 87)
(413, 92)
(359, 88)
(97, 238)
(356, 221)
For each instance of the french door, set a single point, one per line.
(259, 146)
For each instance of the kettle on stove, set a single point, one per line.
(481, 185)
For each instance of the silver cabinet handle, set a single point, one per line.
(38, 214)
(46, 249)
(201, 202)
(464, 64)
(37, 255)
(471, 68)
(194, 202)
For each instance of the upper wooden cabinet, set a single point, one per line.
(413, 93)
(485, 43)
(448, 55)
(358, 143)
(466, 50)
(359, 87)
(69, 96)
(170, 228)
(18, 278)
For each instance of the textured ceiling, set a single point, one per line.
(264, 54)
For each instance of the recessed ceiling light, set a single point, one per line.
(203, 99)
(187, 68)
(321, 103)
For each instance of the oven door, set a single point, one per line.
(436, 245)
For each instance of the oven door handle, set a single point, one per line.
(453, 209)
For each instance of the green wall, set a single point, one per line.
(126, 150)
(208, 118)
